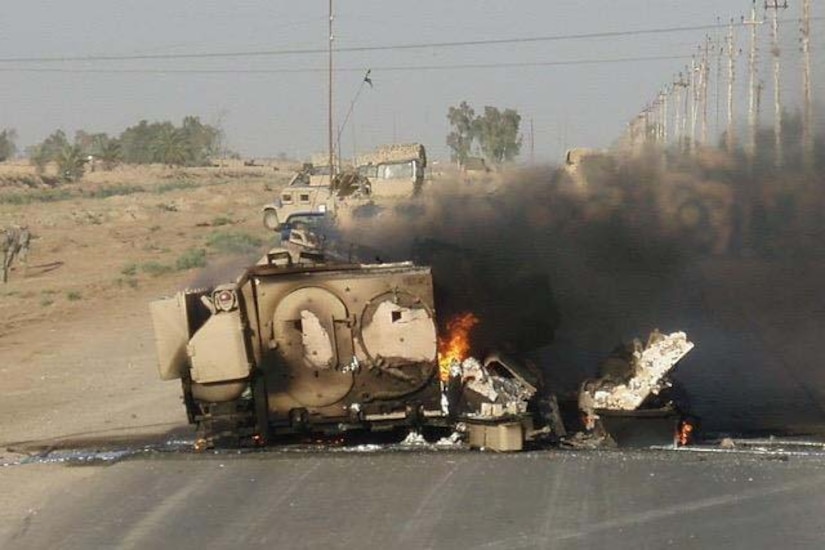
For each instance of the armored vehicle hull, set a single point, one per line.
(296, 348)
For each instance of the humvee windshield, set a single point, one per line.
(398, 170)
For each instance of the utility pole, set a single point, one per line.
(752, 75)
(329, 122)
(808, 115)
(679, 86)
(633, 134)
(731, 47)
(777, 99)
(760, 88)
(532, 142)
(664, 95)
(694, 103)
(718, 93)
(660, 119)
(704, 74)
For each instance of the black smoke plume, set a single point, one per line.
(569, 263)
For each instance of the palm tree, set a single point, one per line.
(71, 162)
(109, 154)
(7, 146)
(170, 147)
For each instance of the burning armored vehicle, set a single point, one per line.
(301, 344)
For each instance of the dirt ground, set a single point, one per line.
(78, 360)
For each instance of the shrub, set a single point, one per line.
(46, 195)
(116, 190)
(230, 242)
(131, 282)
(129, 270)
(155, 268)
(73, 296)
(174, 186)
(192, 258)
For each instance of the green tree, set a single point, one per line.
(460, 139)
(49, 150)
(191, 144)
(8, 147)
(71, 162)
(498, 134)
(90, 143)
(202, 140)
(109, 153)
(170, 147)
(136, 142)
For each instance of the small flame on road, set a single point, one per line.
(685, 434)
(456, 344)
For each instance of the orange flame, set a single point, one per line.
(456, 345)
(685, 433)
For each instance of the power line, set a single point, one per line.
(353, 49)
(393, 68)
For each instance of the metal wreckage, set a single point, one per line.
(302, 344)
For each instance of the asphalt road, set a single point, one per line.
(414, 499)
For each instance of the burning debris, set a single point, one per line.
(498, 401)
(633, 385)
(495, 401)
(625, 385)
(456, 346)
(487, 394)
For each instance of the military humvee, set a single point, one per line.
(394, 171)
(310, 193)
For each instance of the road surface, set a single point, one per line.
(420, 499)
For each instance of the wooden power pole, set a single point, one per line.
(704, 75)
(752, 83)
(777, 97)
(730, 141)
(807, 114)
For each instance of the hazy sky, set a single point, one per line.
(268, 104)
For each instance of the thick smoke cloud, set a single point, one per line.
(510, 251)
(569, 265)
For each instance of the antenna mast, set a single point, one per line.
(329, 122)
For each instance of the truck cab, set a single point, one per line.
(395, 170)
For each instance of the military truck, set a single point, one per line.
(395, 170)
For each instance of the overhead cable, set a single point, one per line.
(352, 49)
